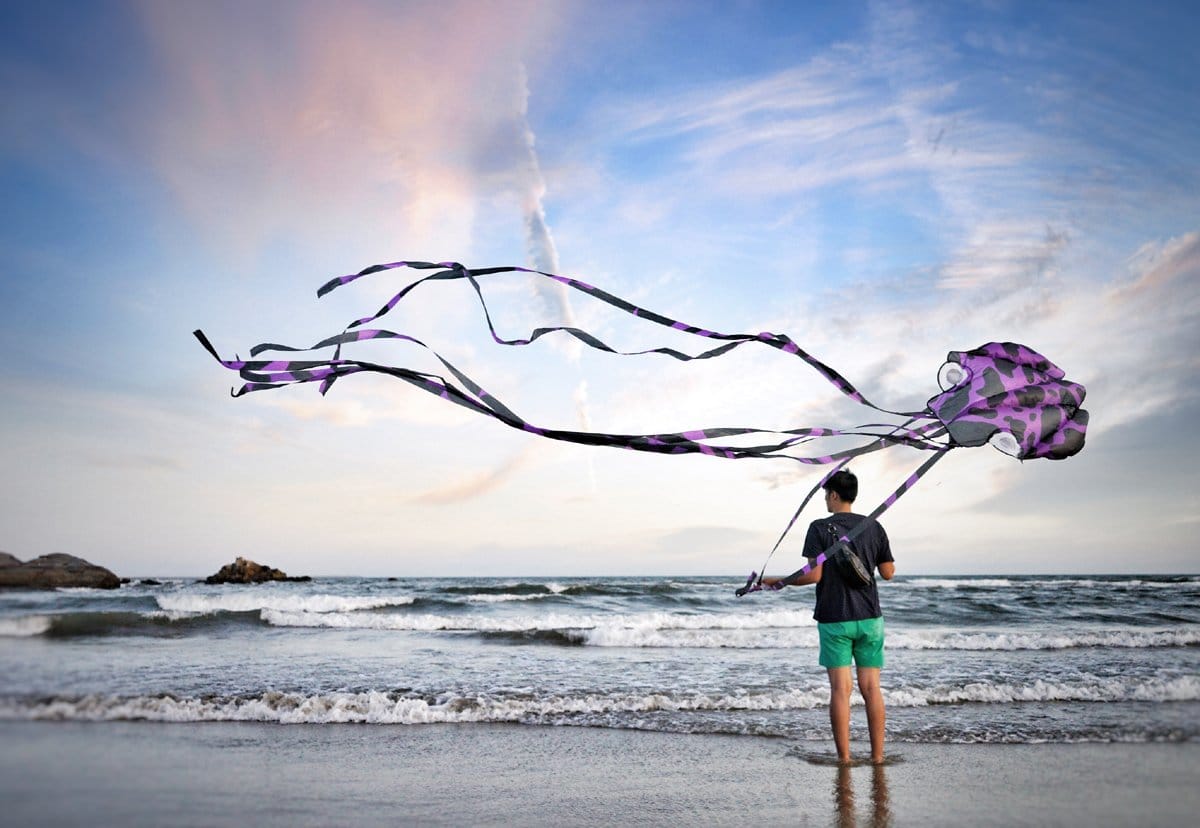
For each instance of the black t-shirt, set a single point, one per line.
(835, 600)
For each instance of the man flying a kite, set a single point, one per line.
(1001, 393)
(849, 617)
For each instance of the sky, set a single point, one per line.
(883, 182)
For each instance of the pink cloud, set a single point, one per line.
(324, 117)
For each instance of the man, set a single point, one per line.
(849, 618)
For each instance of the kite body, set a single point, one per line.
(1012, 397)
(1000, 393)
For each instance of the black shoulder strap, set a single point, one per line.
(837, 531)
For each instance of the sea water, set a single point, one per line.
(969, 659)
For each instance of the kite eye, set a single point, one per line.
(1006, 443)
(951, 375)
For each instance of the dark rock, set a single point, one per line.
(149, 582)
(58, 570)
(7, 560)
(243, 571)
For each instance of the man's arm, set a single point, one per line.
(887, 566)
(795, 579)
(814, 544)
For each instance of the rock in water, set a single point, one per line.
(243, 571)
(51, 571)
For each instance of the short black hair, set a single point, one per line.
(844, 484)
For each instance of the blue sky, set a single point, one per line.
(883, 182)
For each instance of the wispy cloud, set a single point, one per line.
(1008, 253)
(1156, 264)
(476, 483)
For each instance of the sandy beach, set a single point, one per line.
(227, 774)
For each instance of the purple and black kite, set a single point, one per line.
(1003, 394)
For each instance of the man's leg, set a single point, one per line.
(868, 685)
(841, 684)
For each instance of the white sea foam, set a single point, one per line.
(250, 601)
(503, 598)
(645, 622)
(997, 640)
(749, 639)
(1086, 689)
(389, 708)
(384, 708)
(1044, 583)
(172, 615)
(765, 630)
(25, 626)
(957, 583)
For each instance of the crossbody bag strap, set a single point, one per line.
(836, 532)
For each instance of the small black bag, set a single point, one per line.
(850, 566)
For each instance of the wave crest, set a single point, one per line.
(25, 626)
(402, 708)
(251, 601)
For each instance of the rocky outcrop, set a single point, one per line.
(243, 571)
(51, 571)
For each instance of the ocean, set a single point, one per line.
(1012, 660)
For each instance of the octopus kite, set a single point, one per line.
(1001, 393)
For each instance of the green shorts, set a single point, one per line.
(845, 641)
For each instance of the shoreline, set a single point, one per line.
(227, 774)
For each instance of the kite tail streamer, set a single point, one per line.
(454, 270)
(1000, 393)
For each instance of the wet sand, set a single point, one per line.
(233, 774)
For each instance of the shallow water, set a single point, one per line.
(1010, 660)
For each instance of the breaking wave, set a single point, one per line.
(405, 708)
(249, 601)
(765, 630)
(940, 640)
(82, 624)
(24, 626)
(645, 623)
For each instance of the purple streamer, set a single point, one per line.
(1000, 392)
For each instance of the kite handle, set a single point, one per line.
(754, 584)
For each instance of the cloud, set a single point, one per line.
(358, 402)
(697, 544)
(799, 129)
(476, 484)
(869, 114)
(357, 114)
(1157, 264)
(1003, 253)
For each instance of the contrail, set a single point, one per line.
(543, 255)
(539, 242)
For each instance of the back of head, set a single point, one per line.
(844, 484)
